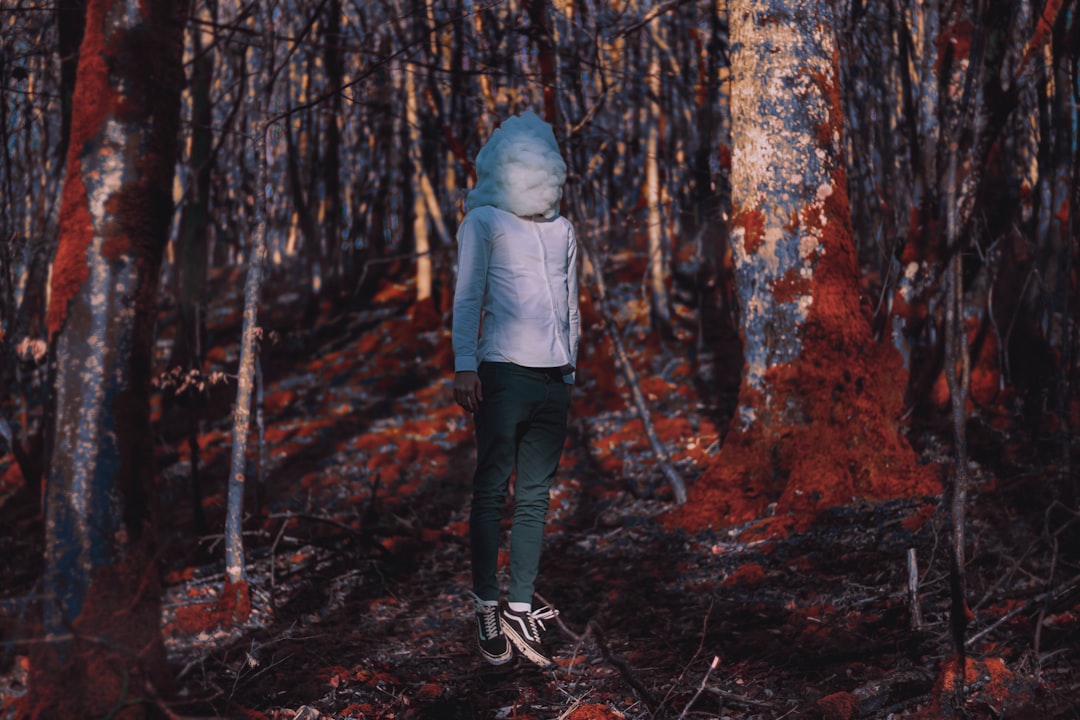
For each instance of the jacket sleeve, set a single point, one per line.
(473, 251)
(572, 300)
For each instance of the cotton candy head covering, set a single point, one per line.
(519, 169)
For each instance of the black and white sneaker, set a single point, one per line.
(523, 628)
(493, 645)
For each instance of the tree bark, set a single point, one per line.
(309, 228)
(540, 33)
(421, 238)
(334, 61)
(192, 252)
(235, 592)
(70, 25)
(819, 405)
(101, 619)
(659, 308)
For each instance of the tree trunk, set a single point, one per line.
(540, 33)
(23, 292)
(421, 239)
(235, 595)
(333, 59)
(102, 614)
(819, 404)
(309, 228)
(192, 255)
(659, 308)
(70, 25)
(30, 389)
(920, 256)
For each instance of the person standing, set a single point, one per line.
(515, 332)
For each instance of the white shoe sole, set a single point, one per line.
(524, 648)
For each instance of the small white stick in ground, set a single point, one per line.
(913, 590)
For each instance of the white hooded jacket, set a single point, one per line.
(517, 258)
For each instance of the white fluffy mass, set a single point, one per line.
(520, 169)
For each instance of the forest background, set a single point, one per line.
(829, 288)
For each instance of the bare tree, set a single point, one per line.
(235, 593)
(192, 245)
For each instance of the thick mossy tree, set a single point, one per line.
(103, 654)
(818, 419)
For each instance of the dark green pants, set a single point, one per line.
(521, 422)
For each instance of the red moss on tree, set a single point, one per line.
(233, 606)
(90, 681)
(832, 430)
(753, 224)
(849, 391)
(984, 383)
(790, 287)
(96, 100)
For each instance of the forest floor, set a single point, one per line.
(358, 557)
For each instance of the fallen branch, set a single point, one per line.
(1050, 599)
(893, 688)
(658, 447)
(623, 667)
(286, 516)
(898, 687)
(623, 361)
(738, 699)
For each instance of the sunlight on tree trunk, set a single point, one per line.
(819, 405)
(422, 244)
(659, 308)
(918, 29)
(115, 216)
(235, 572)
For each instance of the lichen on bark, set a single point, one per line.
(820, 401)
(102, 616)
(780, 173)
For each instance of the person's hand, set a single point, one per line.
(467, 391)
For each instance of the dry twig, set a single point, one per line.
(701, 688)
(623, 667)
(738, 699)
